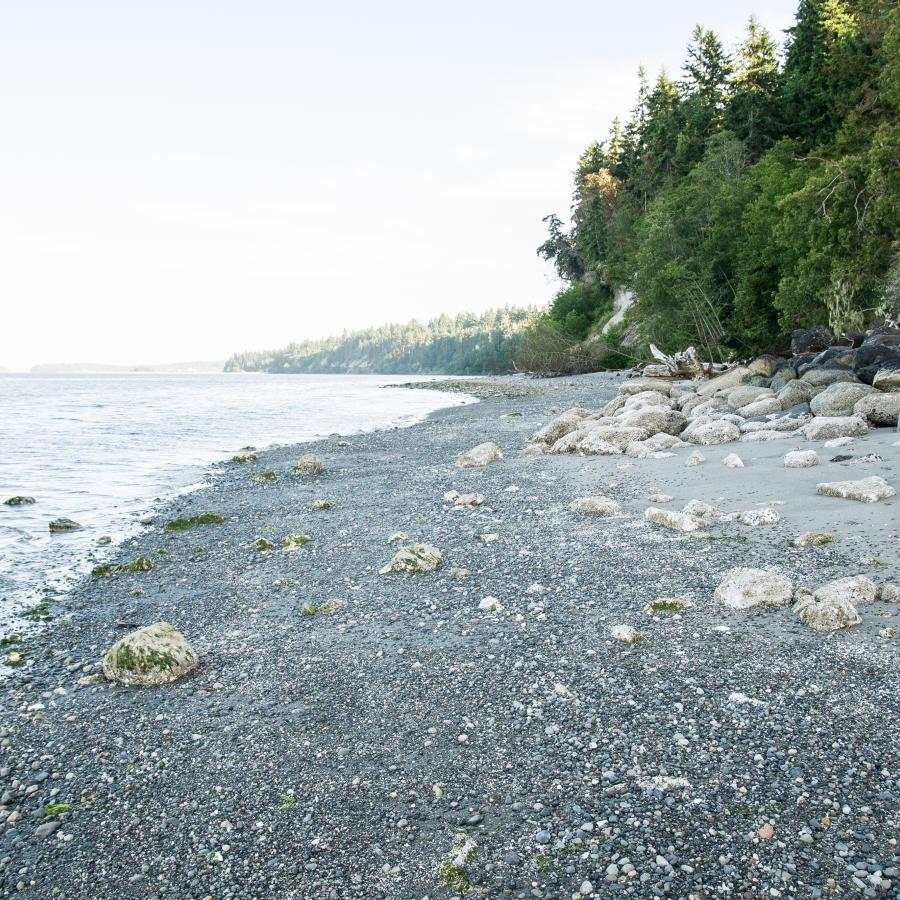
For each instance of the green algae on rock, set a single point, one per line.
(152, 655)
(415, 558)
(194, 522)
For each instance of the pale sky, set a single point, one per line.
(182, 180)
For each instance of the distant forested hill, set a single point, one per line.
(461, 345)
(755, 192)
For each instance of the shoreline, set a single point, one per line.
(339, 754)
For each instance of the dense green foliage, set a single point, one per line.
(758, 194)
(462, 345)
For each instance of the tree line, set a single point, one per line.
(466, 344)
(756, 193)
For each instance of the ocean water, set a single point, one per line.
(100, 449)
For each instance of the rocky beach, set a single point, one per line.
(593, 636)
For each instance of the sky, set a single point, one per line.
(183, 180)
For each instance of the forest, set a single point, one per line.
(756, 193)
(465, 344)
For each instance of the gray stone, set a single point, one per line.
(839, 399)
(155, 654)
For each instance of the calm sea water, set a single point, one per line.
(100, 449)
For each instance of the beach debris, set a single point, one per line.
(677, 521)
(628, 634)
(414, 559)
(801, 459)
(746, 588)
(63, 524)
(865, 490)
(152, 655)
(684, 364)
(452, 870)
(481, 455)
(598, 506)
(309, 465)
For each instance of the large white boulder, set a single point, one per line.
(879, 408)
(637, 385)
(597, 506)
(826, 615)
(568, 443)
(801, 459)
(655, 419)
(744, 588)
(154, 654)
(757, 517)
(559, 426)
(824, 428)
(732, 378)
(712, 433)
(745, 394)
(413, 559)
(857, 589)
(866, 490)
(481, 455)
(677, 521)
(887, 380)
(765, 406)
(839, 399)
(606, 439)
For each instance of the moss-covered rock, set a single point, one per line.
(141, 564)
(295, 541)
(415, 558)
(155, 654)
(194, 522)
(261, 545)
(309, 465)
(265, 476)
(61, 525)
(244, 458)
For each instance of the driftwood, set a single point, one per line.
(686, 364)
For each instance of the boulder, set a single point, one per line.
(744, 588)
(866, 490)
(655, 418)
(765, 434)
(597, 506)
(887, 380)
(826, 616)
(729, 379)
(765, 406)
(801, 459)
(766, 365)
(826, 377)
(702, 510)
(814, 539)
(712, 433)
(757, 517)
(677, 521)
(856, 588)
(607, 440)
(825, 428)
(889, 593)
(645, 399)
(481, 455)
(785, 423)
(155, 654)
(614, 405)
(309, 465)
(636, 385)
(811, 340)
(625, 633)
(19, 501)
(795, 392)
(568, 443)
(557, 428)
(879, 408)
(63, 524)
(745, 394)
(531, 451)
(839, 399)
(414, 559)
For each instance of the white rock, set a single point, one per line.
(638, 385)
(154, 654)
(756, 517)
(677, 521)
(558, 427)
(814, 539)
(839, 442)
(598, 505)
(801, 459)
(695, 459)
(415, 558)
(481, 455)
(713, 433)
(827, 615)
(746, 394)
(398, 536)
(733, 461)
(531, 451)
(490, 604)
(824, 428)
(467, 500)
(663, 784)
(655, 418)
(703, 510)
(764, 407)
(607, 440)
(858, 589)
(309, 465)
(625, 633)
(730, 379)
(488, 538)
(889, 593)
(660, 498)
(568, 443)
(866, 490)
(744, 588)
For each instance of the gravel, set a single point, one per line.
(321, 754)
